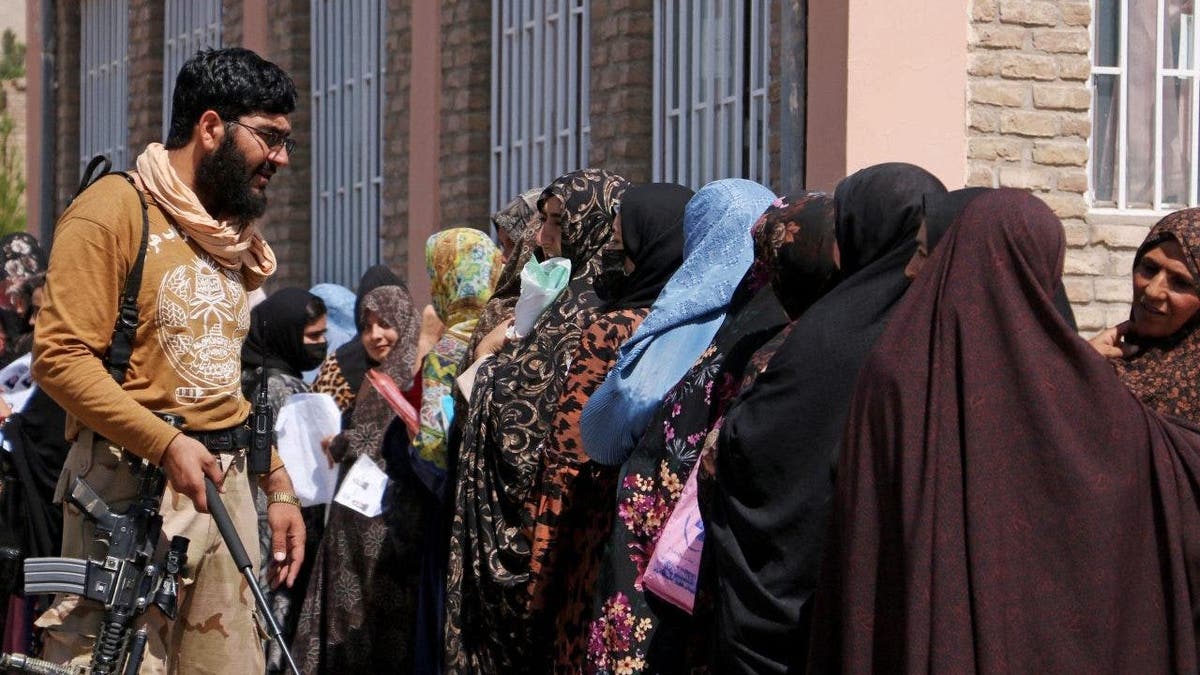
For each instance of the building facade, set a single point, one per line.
(417, 116)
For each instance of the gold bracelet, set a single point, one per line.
(283, 498)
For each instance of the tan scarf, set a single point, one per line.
(234, 245)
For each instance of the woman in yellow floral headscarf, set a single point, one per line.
(463, 265)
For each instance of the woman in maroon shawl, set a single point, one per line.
(1004, 503)
(768, 506)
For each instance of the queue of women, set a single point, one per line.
(755, 434)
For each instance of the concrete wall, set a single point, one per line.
(886, 82)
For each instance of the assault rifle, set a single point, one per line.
(121, 572)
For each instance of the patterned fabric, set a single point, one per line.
(359, 609)
(331, 381)
(463, 265)
(632, 631)
(572, 511)
(1165, 374)
(717, 250)
(520, 219)
(513, 401)
(516, 217)
(23, 258)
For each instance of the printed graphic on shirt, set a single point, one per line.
(203, 318)
(157, 240)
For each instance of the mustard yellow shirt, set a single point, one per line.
(193, 317)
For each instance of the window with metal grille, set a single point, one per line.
(104, 81)
(191, 25)
(1144, 105)
(347, 111)
(540, 93)
(711, 73)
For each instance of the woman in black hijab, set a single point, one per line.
(287, 337)
(766, 513)
(572, 504)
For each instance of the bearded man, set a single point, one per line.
(203, 189)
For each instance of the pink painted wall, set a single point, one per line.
(424, 154)
(254, 27)
(896, 70)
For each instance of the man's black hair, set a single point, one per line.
(232, 82)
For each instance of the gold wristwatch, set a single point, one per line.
(283, 498)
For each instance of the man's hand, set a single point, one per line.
(186, 462)
(287, 531)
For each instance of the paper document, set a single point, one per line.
(304, 421)
(16, 382)
(363, 488)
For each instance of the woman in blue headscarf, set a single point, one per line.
(717, 251)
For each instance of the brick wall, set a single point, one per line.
(394, 211)
(1028, 127)
(146, 26)
(622, 34)
(289, 212)
(466, 115)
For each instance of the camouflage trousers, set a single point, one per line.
(216, 630)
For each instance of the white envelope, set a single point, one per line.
(362, 490)
(303, 422)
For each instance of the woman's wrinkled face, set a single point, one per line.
(378, 337)
(550, 233)
(1165, 297)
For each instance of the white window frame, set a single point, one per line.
(348, 68)
(541, 86)
(706, 126)
(1158, 207)
(104, 81)
(189, 26)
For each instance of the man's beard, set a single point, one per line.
(223, 184)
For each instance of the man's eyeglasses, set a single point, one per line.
(273, 139)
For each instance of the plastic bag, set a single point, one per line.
(541, 283)
(673, 571)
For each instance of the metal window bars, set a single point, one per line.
(1144, 160)
(347, 137)
(711, 76)
(540, 93)
(191, 25)
(104, 81)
